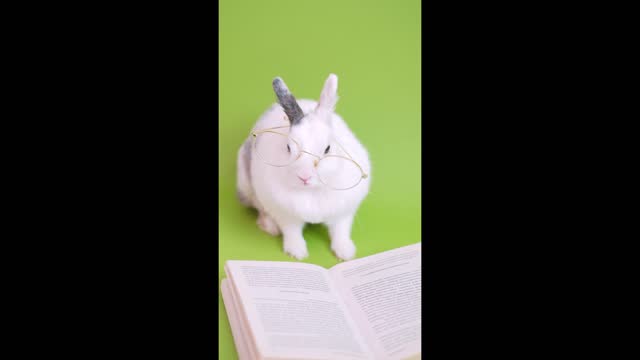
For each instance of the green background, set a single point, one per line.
(374, 48)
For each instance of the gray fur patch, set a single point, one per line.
(246, 197)
(244, 200)
(247, 154)
(287, 101)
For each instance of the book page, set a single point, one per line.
(238, 329)
(293, 312)
(383, 295)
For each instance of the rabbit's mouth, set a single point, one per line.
(305, 181)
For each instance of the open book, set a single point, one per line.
(367, 308)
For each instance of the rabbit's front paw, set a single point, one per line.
(268, 225)
(344, 249)
(296, 248)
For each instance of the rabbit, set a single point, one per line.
(288, 197)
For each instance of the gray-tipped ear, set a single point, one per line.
(287, 101)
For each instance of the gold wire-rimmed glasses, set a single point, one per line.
(276, 148)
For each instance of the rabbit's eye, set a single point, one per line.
(326, 151)
(288, 148)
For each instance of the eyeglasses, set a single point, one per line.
(278, 149)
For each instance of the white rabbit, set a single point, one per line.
(289, 196)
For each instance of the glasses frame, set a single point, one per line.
(254, 136)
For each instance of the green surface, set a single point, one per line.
(374, 48)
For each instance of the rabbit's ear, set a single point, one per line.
(329, 95)
(287, 101)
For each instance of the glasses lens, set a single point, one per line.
(275, 149)
(339, 173)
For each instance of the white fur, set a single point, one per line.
(284, 202)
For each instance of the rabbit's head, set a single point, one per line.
(312, 133)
